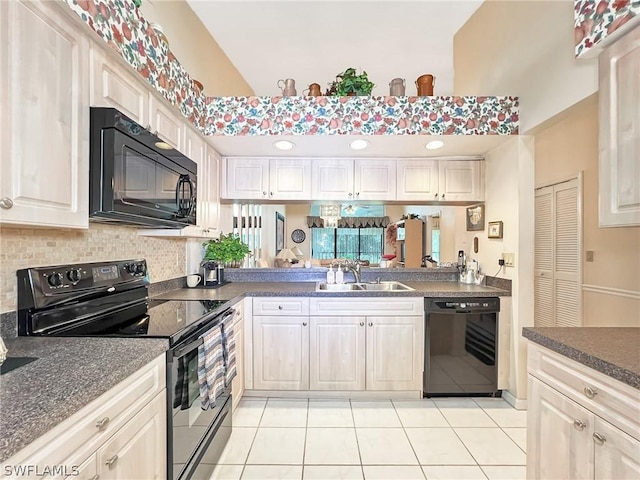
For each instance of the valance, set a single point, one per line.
(352, 222)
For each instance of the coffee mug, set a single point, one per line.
(193, 280)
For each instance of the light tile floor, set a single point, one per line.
(444, 439)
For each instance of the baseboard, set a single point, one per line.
(341, 394)
(517, 403)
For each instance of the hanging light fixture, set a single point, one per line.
(330, 214)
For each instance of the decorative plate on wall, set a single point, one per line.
(298, 235)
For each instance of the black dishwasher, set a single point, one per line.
(461, 344)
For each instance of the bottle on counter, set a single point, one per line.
(339, 275)
(331, 278)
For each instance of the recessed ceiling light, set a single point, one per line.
(359, 144)
(163, 146)
(284, 145)
(434, 145)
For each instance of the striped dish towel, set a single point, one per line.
(229, 342)
(211, 367)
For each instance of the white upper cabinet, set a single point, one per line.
(44, 118)
(268, 179)
(111, 85)
(166, 124)
(353, 179)
(440, 180)
(619, 96)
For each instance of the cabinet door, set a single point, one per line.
(619, 96)
(460, 181)
(138, 450)
(237, 385)
(337, 353)
(209, 191)
(114, 85)
(374, 179)
(44, 119)
(395, 349)
(247, 178)
(332, 179)
(559, 432)
(280, 353)
(289, 179)
(167, 124)
(88, 470)
(617, 455)
(417, 180)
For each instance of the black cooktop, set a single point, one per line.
(173, 319)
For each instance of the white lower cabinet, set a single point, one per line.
(582, 425)
(280, 353)
(119, 435)
(237, 385)
(337, 353)
(340, 345)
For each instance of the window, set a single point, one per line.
(362, 243)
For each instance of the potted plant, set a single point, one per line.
(348, 83)
(227, 250)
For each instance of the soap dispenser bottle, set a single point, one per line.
(330, 275)
(339, 275)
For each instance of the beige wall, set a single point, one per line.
(195, 48)
(23, 247)
(523, 48)
(563, 149)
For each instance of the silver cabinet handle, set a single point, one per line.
(362, 324)
(443, 195)
(599, 439)
(304, 324)
(436, 195)
(590, 392)
(271, 193)
(111, 461)
(371, 324)
(279, 307)
(101, 424)
(350, 194)
(357, 194)
(579, 424)
(6, 203)
(264, 192)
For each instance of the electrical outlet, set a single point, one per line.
(509, 259)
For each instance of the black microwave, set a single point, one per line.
(135, 178)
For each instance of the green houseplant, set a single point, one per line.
(348, 83)
(228, 250)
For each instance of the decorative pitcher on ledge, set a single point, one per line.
(288, 87)
(425, 84)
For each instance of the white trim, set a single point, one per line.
(618, 292)
(327, 394)
(556, 181)
(517, 403)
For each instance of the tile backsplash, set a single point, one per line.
(29, 247)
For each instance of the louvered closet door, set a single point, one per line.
(558, 298)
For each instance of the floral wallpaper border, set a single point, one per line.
(121, 25)
(595, 20)
(465, 115)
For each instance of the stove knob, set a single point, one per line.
(463, 305)
(55, 279)
(140, 269)
(131, 268)
(74, 275)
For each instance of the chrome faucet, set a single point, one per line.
(354, 266)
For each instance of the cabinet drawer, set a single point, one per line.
(76, 438)
(606, 397)
(281, 306)
(367, 306)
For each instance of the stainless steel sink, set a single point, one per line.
(362, 287)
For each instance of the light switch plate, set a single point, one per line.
(509, 259)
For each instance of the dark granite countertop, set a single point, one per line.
(236, 290)
(614, 351)
(69, 373)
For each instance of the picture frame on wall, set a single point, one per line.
(475, 218)
(494, 230)
(279, 232)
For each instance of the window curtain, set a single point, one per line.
(351, 222)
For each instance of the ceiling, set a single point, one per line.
(313, 41)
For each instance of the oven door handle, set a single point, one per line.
(181, 351)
